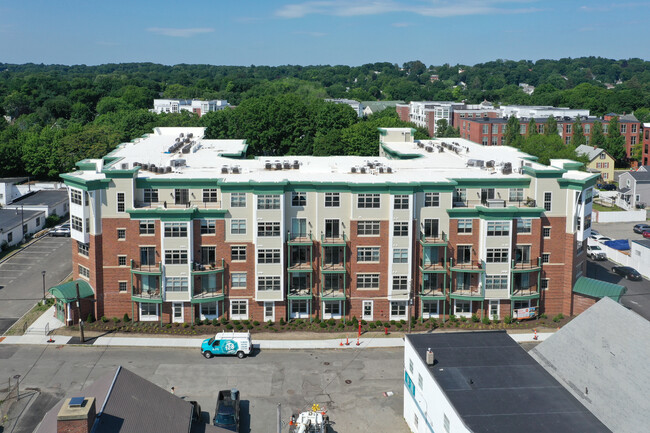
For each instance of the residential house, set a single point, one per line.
(16, 224)
(634, 188)
(599, 161)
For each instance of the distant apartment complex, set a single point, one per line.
(486, 125)
(172, 227)
(194, 105)
(355, 105)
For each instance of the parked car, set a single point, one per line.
(627, 272)
(596, 253)
(595, 232)
(640, 228)
(226, 415)
(228, 343)
(603, 239)
(646, 234)
(62, 230)
(608, 187)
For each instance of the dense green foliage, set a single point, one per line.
(61, 114)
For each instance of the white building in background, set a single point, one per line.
(528, 111)
(194, 105)
(357, 106)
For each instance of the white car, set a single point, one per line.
(603, 239)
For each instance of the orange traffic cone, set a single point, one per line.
(50, 340)
(535, 336)
(358, 344)
(341, 343)
(291, 421)
(347, 341)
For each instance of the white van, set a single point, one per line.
(228, 343)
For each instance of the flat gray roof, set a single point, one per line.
(43, 198)
(496, 386)
(10, 218)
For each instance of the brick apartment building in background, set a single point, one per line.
(173, 227)
(645, 158)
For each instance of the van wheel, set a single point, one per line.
(240, 355)
(207, 354)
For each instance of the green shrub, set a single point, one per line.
(558, 317)
(168, 326)
(387, 324)
(126, 318)
(402, 321)
(453, 318)
(215, 322)
(372, 325)
(256, 323)
(282, 322)
(186, 325)
(90, 318)
(379, 323)
(495, 318)
(507, 320)
(235, 322)
(392, 322)
(298, 321)
(249, 326)
(104, 319)
(239, 327)
(354, 321)
(331, 322)
(463, 319)
(475, 318)
(229, 326)
(399, 325)
(4, 245)
(433, 321)
(363, 322)
(116, 320)
(485, 320)
(341, 325)
(323, 324)
(52, 220)
(456, 324)
(224, 321)
(317, 320)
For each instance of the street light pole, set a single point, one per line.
(43, 272)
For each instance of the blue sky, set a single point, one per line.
(351, 32)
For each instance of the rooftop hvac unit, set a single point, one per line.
(136, 164)
(152, 167)
(278, 165)
(145, 166)
(124, 165)
(235, 169)
(286, 165)
(381, 169)
(177, 139)
(224, 169)
(186, 148)
(168, 169)
(389, 170)
(268, 165)
(296, 164)
(181, 135)
(177, 162)
(362, 170)
(429, 149)
(420, 144)
(353, 170)
(161, 170)
(190, 134)
(489, 164)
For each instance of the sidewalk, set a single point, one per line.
(195, 343)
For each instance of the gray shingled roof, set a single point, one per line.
(50, 197)
(591, 151)
(496, 386)
(601, 357)
(641, 176)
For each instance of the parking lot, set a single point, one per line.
(348, 383)
(21, 279)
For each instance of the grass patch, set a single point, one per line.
(599, 207)
(29, 318)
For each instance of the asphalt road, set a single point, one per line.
(21, 279)
(637, 297)
(295, 378)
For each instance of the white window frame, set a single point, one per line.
(238, 302)
(204, 316)
(460, 314)
(490, 304)
(180, 319)
(239, 280)
(364, 304)
(148, 317)
(332, 315)
(428, 315)
(332, 199)
(299, 314)
(272, 316)
(399, 316)
(236, 226)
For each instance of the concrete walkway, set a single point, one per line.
(46, 323)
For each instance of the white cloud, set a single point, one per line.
(432, 8)
(180, 33)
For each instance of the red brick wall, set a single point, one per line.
(582, 302)
(403, 112)
(380, 268)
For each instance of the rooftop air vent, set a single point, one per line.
(224, 169)
(362, 170)
(168, 169)
(296, 164)
(353, 170)
(235, 169)
(77, 401)
(268, 165)
(430, 358)
(286, 165)
(389, 170)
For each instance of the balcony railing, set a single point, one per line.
(200, 293)
(299, 291)
(433, 266)
(208, 267)
(170, 204)
(340, 239)
(300, 237)
(524, 291)
(472, 290)
(526, 264)
(432, 290)
(330, 292)
(151, 293)
(300, 266)
(153, 268)
(433, 238)
(494, 202)
(467, 265)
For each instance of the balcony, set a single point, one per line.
(299, 238)
(333, 293)
(334, 240)
(524, 292)
(297, 292)
(169, 204)
(433, 238)
(202, 295)
(144, 295)
(467, 266)
(210, 268)
(494, 203)
(151, 269)
(432, 291)
(439, 266)
(468, 292)
(526, 265)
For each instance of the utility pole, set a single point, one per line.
(279, 418)
(81, 322)
(43, 287)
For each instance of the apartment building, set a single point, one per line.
(645, 158)
(490, 131)
(196, 106)
(172, 232)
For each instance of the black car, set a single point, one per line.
(608, 187)
(627, 272)
(640, 228)
(226, 414)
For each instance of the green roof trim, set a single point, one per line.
(578, 184)
(86, 164)
(599, 289)
(384, 131)
(187, 214)
(498, 213)
(394, 154)
(67, 292)
(573, 165)
(173, 183)
(120, 174)
(543, 172)
(498, 182)
(84, 184)
(237, 155)
(530, 158)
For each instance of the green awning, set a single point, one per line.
(68, 293)
(599, 289)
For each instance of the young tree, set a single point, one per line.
(578, 136)
(512, 134)
(441, 127)
(551, 126)
(615, 143)
(597, 136)
(532, 127)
